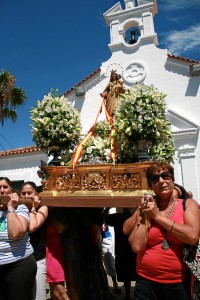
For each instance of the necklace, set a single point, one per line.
(165, 243)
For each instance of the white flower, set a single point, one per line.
(141, 116)
(55, 122)
(98, 146)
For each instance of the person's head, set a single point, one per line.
(180, 192)
(160, 178)
(190, 194)
(114, 76)
(5, 186)
(28, 188)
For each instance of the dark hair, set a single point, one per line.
(7, 180)
(182, 193)
(157, 167)
(31, 183)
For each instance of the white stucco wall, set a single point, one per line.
(22, 166)
(180, 88)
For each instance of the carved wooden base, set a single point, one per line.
(95, 185)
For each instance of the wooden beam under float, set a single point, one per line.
(83, 200)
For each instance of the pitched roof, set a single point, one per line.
(82, 81)
(22, 150)
(182, 58)
(187, 60)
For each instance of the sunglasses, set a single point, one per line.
(164, 175)
(28, 193)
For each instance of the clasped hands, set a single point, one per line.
(36, 202)
(149, 206)
(11, 203)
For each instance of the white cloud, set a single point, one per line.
(180, 41)
(178, 4)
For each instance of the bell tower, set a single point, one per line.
(129, 4)
(133, 26)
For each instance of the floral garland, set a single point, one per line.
(55, 123)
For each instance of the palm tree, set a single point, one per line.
(10, 97)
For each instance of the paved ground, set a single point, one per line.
(120, 296)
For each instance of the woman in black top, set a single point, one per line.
(38, 216)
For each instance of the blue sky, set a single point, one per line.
(50, 44)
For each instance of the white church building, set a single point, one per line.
(136, 57)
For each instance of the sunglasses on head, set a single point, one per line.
(28, 193)
(164, 175)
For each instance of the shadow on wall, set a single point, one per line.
(193, 86)
(193, 81)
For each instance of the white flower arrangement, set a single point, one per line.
(97, 148)
(140, 119)
(55, 123)
(141, 115)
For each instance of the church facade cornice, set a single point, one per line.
(183, 134)
(117, 12)
(186, 151)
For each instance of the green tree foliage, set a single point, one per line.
(11, 97)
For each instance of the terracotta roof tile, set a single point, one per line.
(20, 150)
(182, 58)
(82, 81)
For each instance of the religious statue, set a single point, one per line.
(112, 92)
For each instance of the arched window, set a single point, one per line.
(132, 35)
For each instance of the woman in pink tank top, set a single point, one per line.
(158, 232)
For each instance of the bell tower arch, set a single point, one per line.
(133, 26)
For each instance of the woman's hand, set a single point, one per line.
(149, 206)
(17, 225)
(14, 199)
(35, 203)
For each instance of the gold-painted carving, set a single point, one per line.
(126, 181)
(68, 182)
(94, 180)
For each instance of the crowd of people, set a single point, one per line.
(72, 249)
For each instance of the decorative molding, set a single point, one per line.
(134, 72)
(186, 151)
(180, 124)
(187, 133)
(102, 177)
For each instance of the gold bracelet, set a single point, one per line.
(33, 211)
(172, 227)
